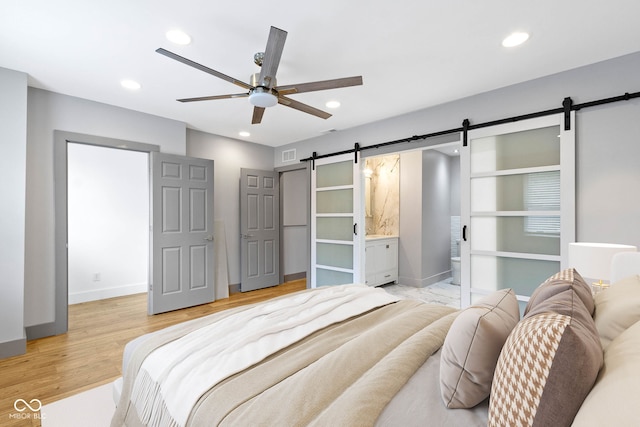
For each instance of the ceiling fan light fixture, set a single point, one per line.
(262, 97)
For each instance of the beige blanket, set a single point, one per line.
(344, 374)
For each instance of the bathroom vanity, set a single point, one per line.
(381, 259)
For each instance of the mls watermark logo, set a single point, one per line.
(27, 410)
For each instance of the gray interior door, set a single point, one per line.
(259, 229)
(181, 260)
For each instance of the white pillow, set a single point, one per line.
(613, 400)
(617, 308)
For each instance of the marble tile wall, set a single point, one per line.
(383, 213)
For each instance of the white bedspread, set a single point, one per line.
(173, 377)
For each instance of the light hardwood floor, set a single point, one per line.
(90, 353)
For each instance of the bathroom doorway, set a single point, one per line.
(427, 214)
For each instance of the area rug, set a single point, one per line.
(93, 408)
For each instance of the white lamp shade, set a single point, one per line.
(262, 99)
(593, 260)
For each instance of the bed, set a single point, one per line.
(352, 355)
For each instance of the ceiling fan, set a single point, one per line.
(263, 90)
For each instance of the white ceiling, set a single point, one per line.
(412, 54)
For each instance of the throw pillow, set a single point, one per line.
(613, 399)
(567, 281)
(547, 366)
(617, 308)
(472, 346)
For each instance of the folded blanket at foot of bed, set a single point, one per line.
(342, 373)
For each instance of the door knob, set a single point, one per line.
(208, 238)
(246, 236)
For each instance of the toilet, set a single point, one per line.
(455, 265)
(455, 270)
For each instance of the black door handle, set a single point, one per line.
(464, 233)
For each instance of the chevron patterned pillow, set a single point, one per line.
(547, 366)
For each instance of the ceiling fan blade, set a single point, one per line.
(258, 112)
(321, 85)
(272, 55)
(203, 68)
(211, 98)
(302, 107)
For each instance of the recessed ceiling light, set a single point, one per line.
(178, 37)
(130, 84)
(244, 134)
(333, 104)
(515, 39)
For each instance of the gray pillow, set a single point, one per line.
(568, 281)
(472, 346)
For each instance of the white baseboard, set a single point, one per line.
(98, 294)
(424, 282)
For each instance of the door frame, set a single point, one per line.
(60, 324)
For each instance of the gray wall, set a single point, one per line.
(454, 178)
(607, 138)
(48, 111)
(229, 156)
(436, 216)
(424, 255)
(410, 236)
(13, 139)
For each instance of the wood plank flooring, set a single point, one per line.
(90, 353)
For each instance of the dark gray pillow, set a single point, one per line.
(567, 281)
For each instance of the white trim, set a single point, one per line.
(522, 171)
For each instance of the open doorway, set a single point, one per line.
(412, 197)
(294, 224)
(62, 140)
(108, 222)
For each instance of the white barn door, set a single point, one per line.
(337, 229)
(518, 206)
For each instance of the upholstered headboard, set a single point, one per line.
(624, 264)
